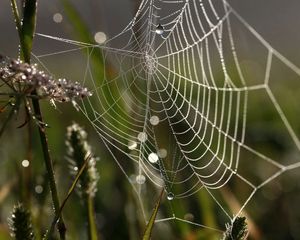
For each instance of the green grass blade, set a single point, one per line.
(149, 227)
(83, 34)
(101, 69)
(16, 17)
(80, 28)
(28, 27)
(26, 30)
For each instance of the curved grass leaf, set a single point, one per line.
(149, 227)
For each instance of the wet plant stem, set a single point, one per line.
(26, 31)
(49, 167)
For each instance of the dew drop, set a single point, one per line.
(153, 157)
(100, 37)
(142, 137)
(25, 163)
(132, 145)
(170, 196)
(154, 120)
(159, 29)
(140, 179)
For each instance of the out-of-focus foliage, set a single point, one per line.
(118, 214)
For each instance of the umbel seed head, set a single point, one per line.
(29, 78)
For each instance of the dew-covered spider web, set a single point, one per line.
(180, 100)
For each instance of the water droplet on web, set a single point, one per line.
(153, 157)
(142, 137)
(159, 29)
(170, 196)
(132, 145)
(154, 120)
(140, 179)
(100, 37)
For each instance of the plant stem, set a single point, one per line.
(26, 32)
(49, 167)
(71, 190)
(92, 229)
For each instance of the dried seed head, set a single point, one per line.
(20, 224)
(78, 151)
(237, 230)
(30, 78)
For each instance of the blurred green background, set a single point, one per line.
(273, 213)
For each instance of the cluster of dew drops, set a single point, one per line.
(153, 157)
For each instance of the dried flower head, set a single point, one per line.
(20, 224)
(237, 230)
(25, 78)
(78, 151)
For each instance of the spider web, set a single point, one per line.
(173, 103)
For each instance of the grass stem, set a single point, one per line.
(26, 30)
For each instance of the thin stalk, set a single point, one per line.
(49, 167)
(26, 31)
(71, 190)
(16, 17)
(92, 229)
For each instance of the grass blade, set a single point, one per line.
(28, 27)
(149, 227)
(26, 30)
(101, 67)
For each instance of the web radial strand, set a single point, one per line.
(173, 101)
